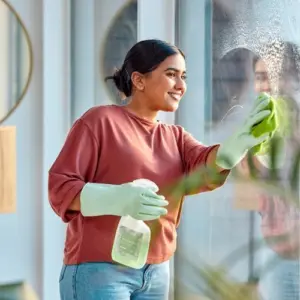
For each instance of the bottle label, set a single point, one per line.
(129, 242)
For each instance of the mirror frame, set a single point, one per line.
(29, 77)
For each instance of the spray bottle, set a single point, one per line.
(132, 239)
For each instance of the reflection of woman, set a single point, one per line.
(118, 144)
(278, 217)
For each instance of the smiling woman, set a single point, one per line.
(154, 82)
(108, 148)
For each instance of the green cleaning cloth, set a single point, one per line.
(276, 122)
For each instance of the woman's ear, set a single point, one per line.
(138, 81)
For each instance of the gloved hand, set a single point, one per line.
(276, 122)
(139, 202)
(234, 149)
(280, 120)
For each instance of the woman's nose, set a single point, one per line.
(263, 87)
(180, 85)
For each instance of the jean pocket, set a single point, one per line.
(62, 273)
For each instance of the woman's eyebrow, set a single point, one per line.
(175, 69)
(260, 72)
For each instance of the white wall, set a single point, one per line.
(21, 233)
(32, 239)
(84, 67)
(56, 123)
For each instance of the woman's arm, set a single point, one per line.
(75, 166)
(211, 163)
(75, 204)
(199, 161)
(211, 159)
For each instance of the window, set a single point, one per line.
(222, 40)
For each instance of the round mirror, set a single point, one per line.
(15, 60)
(121, 36)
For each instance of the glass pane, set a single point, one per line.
(250, 47)
(255, 48)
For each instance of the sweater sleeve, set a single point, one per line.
(195, 155)
(280, 225)
(75, 166)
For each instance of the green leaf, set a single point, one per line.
(294, 176)
(274, 153)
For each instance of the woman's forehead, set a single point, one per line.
(175, 61)
(260, 66)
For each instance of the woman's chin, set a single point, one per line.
(171, 106)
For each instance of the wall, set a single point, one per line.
(21, 233)
(56, 123)
(32, 239)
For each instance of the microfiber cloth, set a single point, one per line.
(276, 122)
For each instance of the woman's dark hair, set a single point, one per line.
(144, 57)
(230, 77)
(290, 68)
(291, 55)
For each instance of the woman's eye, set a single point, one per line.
(171, 74)
(261, 77)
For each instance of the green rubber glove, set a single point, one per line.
(139, 202)
(277, 122)
(234, 149)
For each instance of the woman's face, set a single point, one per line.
(261, 80)
(164, 87)
(262, 84)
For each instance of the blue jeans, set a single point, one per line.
(284, 281)
(108, 281)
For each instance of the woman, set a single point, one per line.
(116, 145)
(280, 218)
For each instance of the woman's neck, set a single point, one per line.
(138, 108)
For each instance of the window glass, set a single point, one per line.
(249, 47)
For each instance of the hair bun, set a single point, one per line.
(122, 81)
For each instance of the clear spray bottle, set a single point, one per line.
(132, 239)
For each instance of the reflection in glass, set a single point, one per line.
(256, 48)
(15, 60)
(121, 36)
